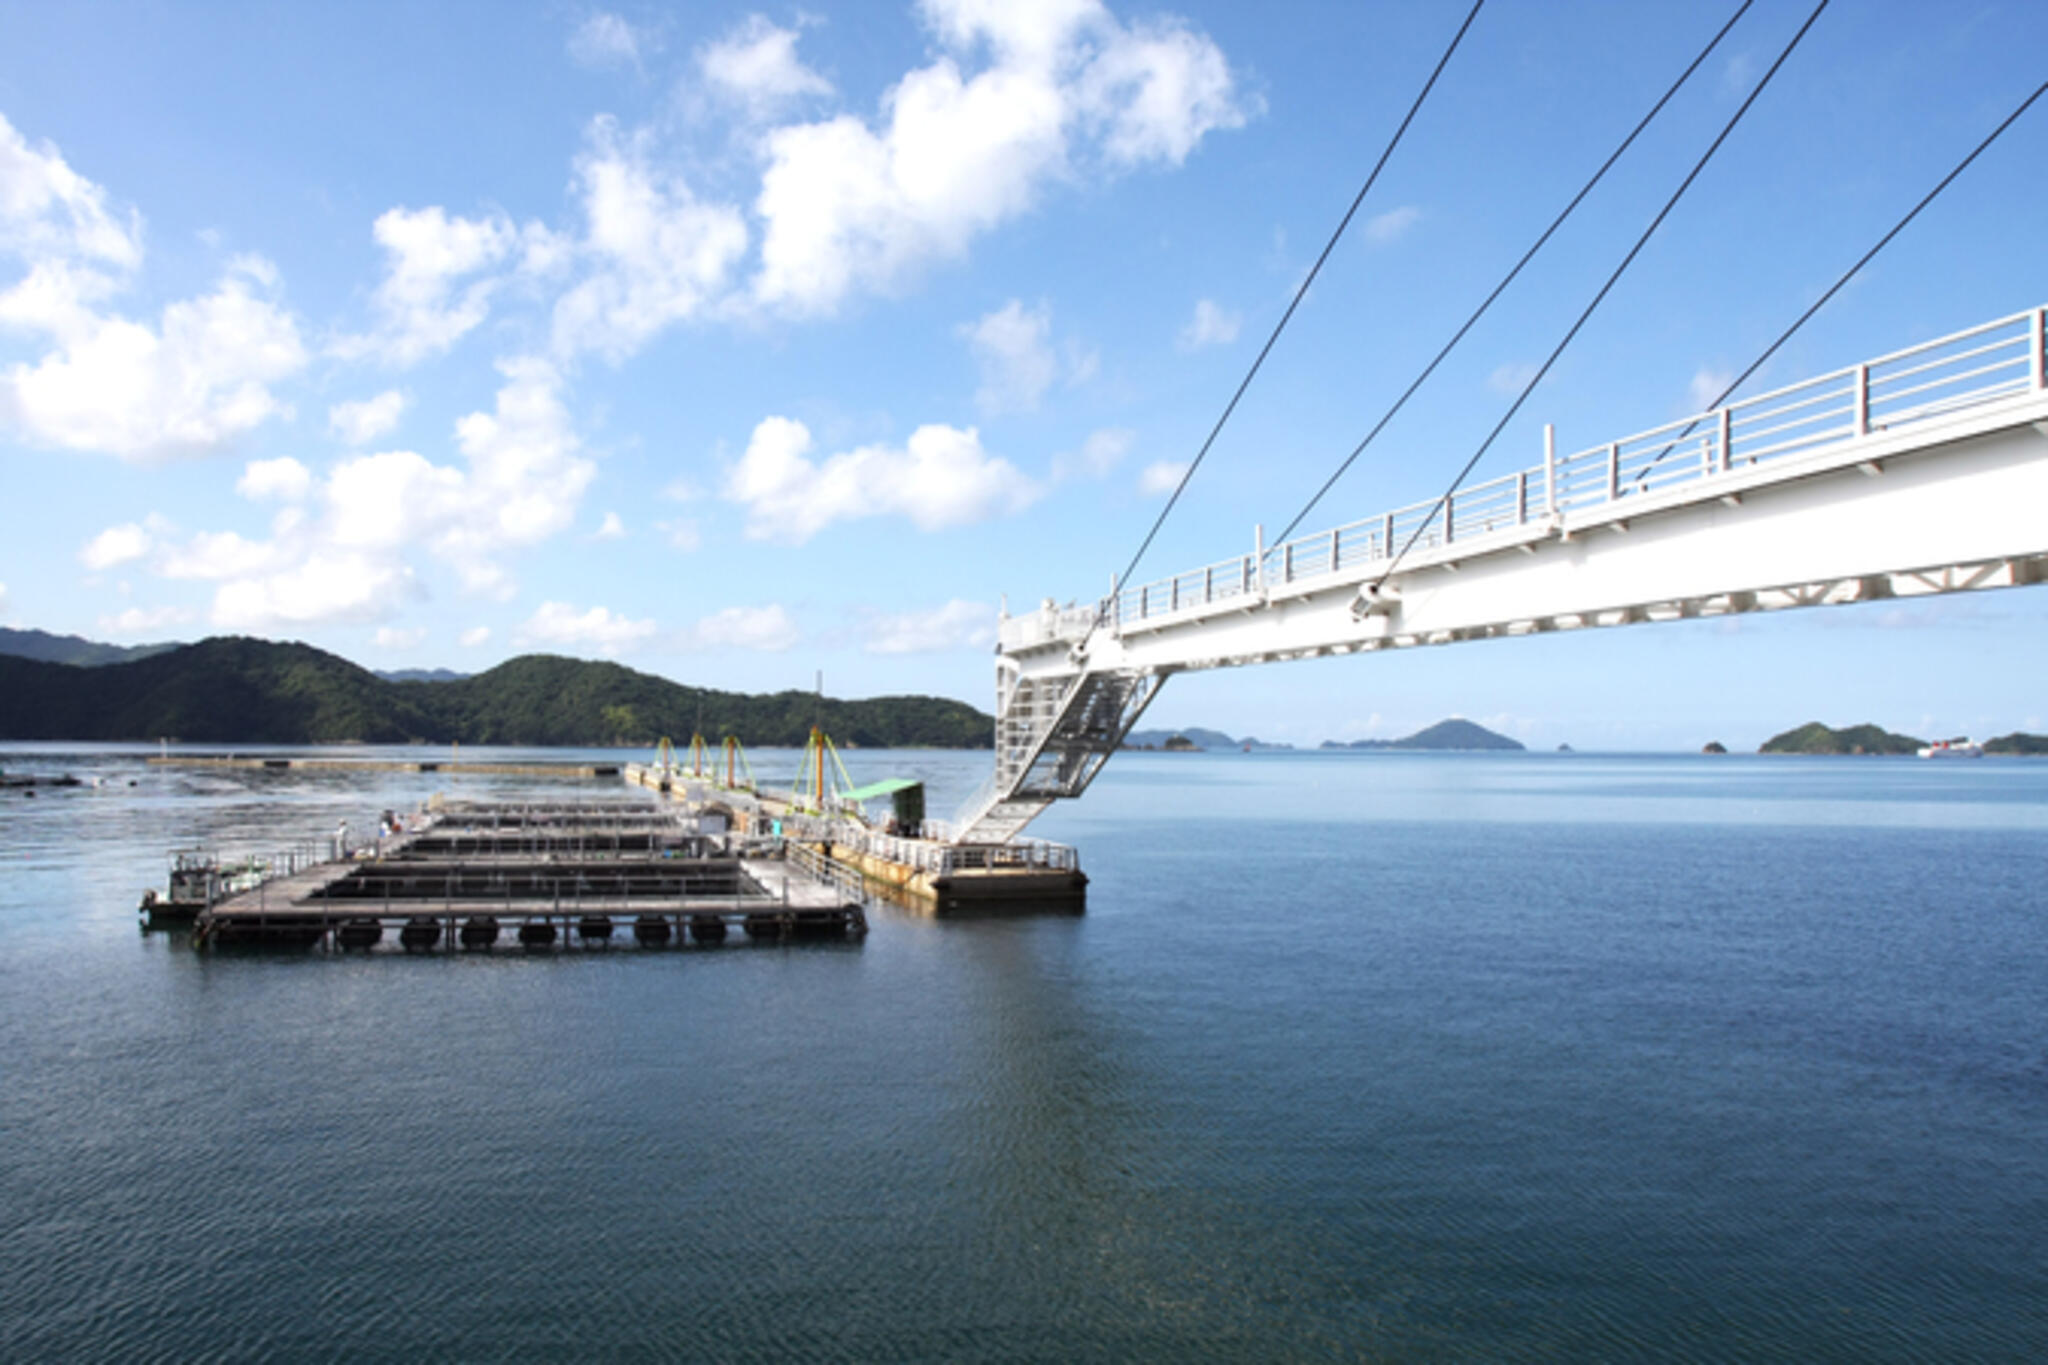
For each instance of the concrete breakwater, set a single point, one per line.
(282, 763)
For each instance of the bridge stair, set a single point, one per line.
(1053, 734)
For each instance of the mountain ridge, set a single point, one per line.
(233, 689)
(45, 647)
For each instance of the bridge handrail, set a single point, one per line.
(1806, 416)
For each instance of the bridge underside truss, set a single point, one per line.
(1914, 475)
(2004, 572)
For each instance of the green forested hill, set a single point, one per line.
(1816, 738)
(235, 690)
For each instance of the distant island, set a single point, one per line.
(1453, 734)
(233, 690)
(1446, 735)
(1816, 738)
(1193, 738)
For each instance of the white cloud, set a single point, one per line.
(525, 478)
(1391, 226)
(396, 637)
(328, 585)
(657, 254)
(1210, 326)
(137, 620)
(941, 477)
(1510, 379)
(605, 40)
(190, 385)
(846, 205)
(1161, 476)
(283, 479)
(521, 485)
(1708, 383)
(194, 381)
(956, 625)
(420, 312)
(364, 420)
(763, 628)
(217, 555)
(561, 625)
(1014, 350)
(475, 636)
(345, 557)
(681, 533)
(754, 67)
(48, 210)
(611, 528)
(3, 599)
(1104, 449)
(115, 546)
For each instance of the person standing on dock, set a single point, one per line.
(341, 840)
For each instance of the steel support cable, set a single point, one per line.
(1509, 278)
(1848, 275)
(1612, 280)
(1300, 293)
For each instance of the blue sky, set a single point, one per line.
(737, 343)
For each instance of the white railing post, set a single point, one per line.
(2038, 344)
(1860, 421)
(1549, 469)
(1727, 440)
(1336, 550)
(1387, 538)
(1522, 497)
(1259, 555)
(1613, 470)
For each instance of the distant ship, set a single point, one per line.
(1963, 747)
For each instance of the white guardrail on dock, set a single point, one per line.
(1985, 364)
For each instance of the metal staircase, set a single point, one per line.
(1053, 735)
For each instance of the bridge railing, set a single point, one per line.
(1984, 364)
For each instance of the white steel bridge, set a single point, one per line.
(1924, 471)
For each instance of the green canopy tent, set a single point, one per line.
(906, 799)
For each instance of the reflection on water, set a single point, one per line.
(1352, 1055)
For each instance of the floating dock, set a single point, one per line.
(477, 876)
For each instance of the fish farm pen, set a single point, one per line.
(473, 876)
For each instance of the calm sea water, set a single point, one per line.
(1353, 1056)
